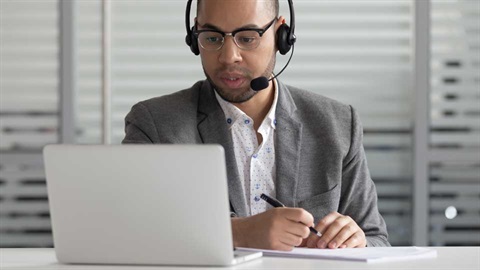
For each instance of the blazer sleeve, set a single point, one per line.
(139, 126)
(359, 196)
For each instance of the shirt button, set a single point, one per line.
(247, 121)
(255, 156)
(257, 198)
(275, 122)
(229, 120)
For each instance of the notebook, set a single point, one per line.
(140, 204)
(369, 254)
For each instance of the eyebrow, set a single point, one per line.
(213, 27)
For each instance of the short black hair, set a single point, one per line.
(271, 4)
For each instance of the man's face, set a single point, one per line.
(231, 69)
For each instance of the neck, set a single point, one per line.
(258, 106)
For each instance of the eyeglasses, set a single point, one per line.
(244, 38)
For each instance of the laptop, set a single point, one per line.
(140, 204)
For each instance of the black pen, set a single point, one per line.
(275, 203)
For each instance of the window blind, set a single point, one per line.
(455, 123)
(28, 117)
(149, 58)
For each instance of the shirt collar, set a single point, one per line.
(270, 118)
(233, 113)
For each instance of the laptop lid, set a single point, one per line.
(139, 204)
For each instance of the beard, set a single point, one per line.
(246, 93)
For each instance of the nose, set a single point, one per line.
(229, 53)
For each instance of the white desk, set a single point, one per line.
(448, 258)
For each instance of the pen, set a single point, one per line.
(275, 203)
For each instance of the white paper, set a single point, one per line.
(371, 254)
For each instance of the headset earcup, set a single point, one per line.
(282, 39)
(191, 41)
(194, 46)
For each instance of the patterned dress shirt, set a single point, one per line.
(256, 163)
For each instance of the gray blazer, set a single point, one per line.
(321, 163)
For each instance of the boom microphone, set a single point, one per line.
(261, 83)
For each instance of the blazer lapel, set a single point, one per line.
(213, 130)
(287, 147)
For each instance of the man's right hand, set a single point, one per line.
(277, 228)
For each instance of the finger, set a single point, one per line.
(282, 246)
(312, 241)
(356, 240)
(345, 233)
(332, 231)
(300, 221)
(291, 240)
(300, 215)
(321, 226)
(298, 229)
(304, 243)
(326, 221)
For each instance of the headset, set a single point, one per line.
(285, 34)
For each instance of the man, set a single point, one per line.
(304, 149)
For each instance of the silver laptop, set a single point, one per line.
(140, 204)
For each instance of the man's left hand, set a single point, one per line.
(338, 231)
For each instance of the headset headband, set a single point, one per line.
(291, 33)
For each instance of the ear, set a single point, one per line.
(281, 20)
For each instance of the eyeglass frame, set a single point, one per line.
(260, 32)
